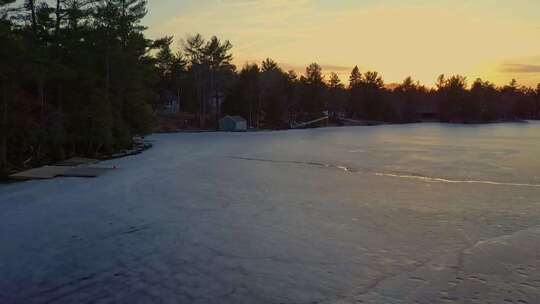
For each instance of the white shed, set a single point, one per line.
(233, 124)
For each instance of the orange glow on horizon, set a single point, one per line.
(486, 39)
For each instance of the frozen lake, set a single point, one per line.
(426, 213)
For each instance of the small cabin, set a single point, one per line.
(233, 124)
(169, 103)
(427, 111)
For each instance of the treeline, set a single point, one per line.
(76, 78)
(79, 77)
(269, 97)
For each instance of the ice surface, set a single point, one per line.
(426, 213)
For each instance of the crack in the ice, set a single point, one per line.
(69, 284)
(458, 267)
(377, 282)
(394, 174)
(71, 292)
(451, 181)
(130, 230)
(274, 258)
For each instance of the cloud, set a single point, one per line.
(520, 68)
(336, 68)
(397, 40)
(326, 67)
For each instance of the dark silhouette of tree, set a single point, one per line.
(11, 46)
(409, 94)
(334, 82)
(336, 96)
(79, 77)
(441, 82)
(269, 65)
(356, 106)
(314, 74)
(453, 94)
(210, 64)
(273, 94)
(524, 103)
(172, 70)
(376, 107)
(244, 97)
(355, 78)
(482, 104)
(537, 102)
(74, 79)
(313, 91)
(293, 97)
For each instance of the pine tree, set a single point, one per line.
(210, 64)
(7, 52)
(313, 91)
(334, 82)
(355, 78)
(336, 102)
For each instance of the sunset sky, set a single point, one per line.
(494, 39)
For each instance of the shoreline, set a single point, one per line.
(371, 124)
(138, 148)
(142, 146)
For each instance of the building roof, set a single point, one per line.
(235, 118)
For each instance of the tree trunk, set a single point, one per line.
(32, 8)
(107, 76)
(199, 85)
(202, 98)
(250, 113)
(57, 22)
(216, 96)
(3, 147)
(60, 98)
(203, 109)
(41, 97)
(258, 110)
(177, 110)
(217, 110)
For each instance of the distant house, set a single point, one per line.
(215, 103)
(169, 102)
(427, 111)
(233, 124)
